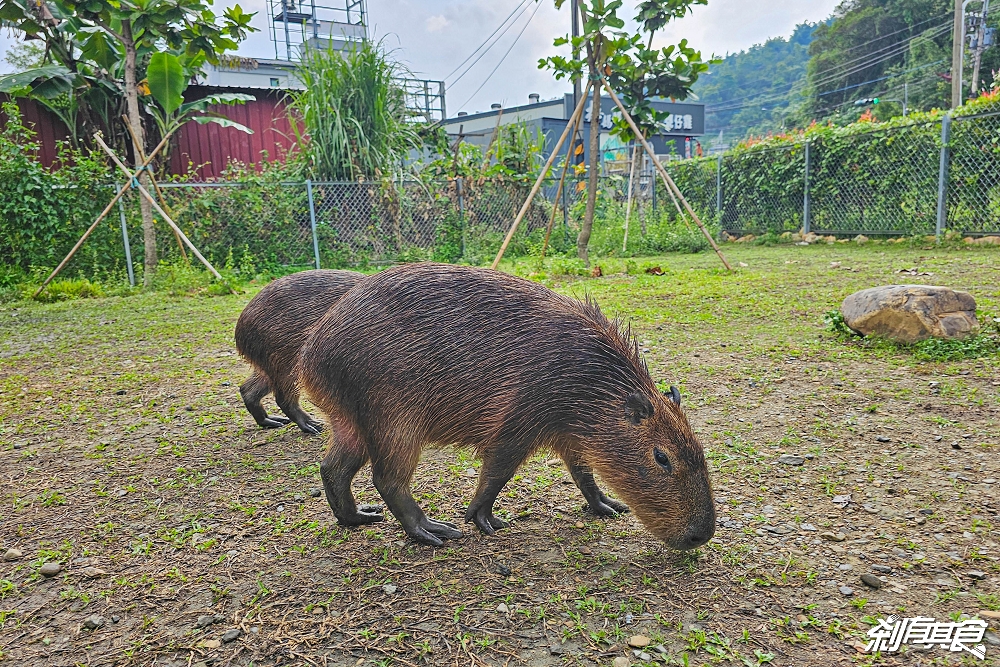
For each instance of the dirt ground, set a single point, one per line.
(182, 535)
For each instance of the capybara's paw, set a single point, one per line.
(604, 508)
(442, 529)
(273, 422)
(486, 522)
(497, 523)
(418, 534)
(360, 519)
(311, 426)
(616, 505)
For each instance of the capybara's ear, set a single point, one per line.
(674, 395)
(638, 407)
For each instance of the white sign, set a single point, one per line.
(892, 632)
(673, 123)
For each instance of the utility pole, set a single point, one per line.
(957, 53)
(979, 45)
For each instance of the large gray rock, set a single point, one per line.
(909, 313)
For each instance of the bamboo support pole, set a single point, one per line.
(159, 210)
(562, 179)
(663, 172)
(628, 199)
(541, 176)
(156, 186)
(107, 209)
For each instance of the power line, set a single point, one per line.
(519, 10)
(507, 53)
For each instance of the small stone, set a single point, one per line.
(471, 472)
(115, 618)
(389, 589)
(871, 580)
(503, 608)
(227, 384)
(832, 537)
(621, 661)
(205, 621)
(580, 524)
(842, 500)
(13, 554)
(315, 493)
(231, 635)
(120, 392)
(927, 512)
(992, 638)
(556, 649)
(93, 622)
(92, 572)
(910, 313)
(645, 657)
(50, 569)
(791, 460)
(638, 641)
(882, 438)
(846, 567)
(808, 527)
(211, 643)
(846, 590)
(661, 649)
(884, 569)
(989, 615)
(553, 462)
(503, 570)
(976, 574)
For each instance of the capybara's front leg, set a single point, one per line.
(342, 462)
(253, 392)
(288, 400)
(392, 482)
(493, 476)
(600, 504)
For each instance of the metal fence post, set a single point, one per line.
(653, 179)
(805, 190)
(942, 202)
(459, 185)
(565, 215)
(312, 220)
(128, 248)
(718, 191)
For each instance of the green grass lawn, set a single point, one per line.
(129, 459)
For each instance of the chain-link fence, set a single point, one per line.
(892, 180)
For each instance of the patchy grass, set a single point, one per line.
(129, 460)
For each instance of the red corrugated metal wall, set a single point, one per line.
(204, 151)
(201, 151)
(46, 125)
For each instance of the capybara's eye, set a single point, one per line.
(662, 459)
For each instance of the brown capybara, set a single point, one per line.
(270, 332)
(438, 354)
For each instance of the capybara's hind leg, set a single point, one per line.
(600, 504)
(253, 392)
(288, 400)
(342, 462)
(392, 479)
(493, 476)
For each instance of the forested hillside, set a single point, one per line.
(754, 90)
(895, 50)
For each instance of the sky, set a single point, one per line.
(432, 37)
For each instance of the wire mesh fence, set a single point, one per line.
(973, 184)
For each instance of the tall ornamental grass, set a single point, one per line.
(355, 125)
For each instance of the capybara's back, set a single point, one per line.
(427, 353)
(272, 329)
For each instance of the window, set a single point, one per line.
(274, 82)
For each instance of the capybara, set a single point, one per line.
(439, 354)
(270, 332)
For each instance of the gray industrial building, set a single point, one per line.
(684, 125)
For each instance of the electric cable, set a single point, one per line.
(494, 43)
(502, 24)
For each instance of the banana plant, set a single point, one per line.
(167, 77)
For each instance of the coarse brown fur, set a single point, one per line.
(272, 329)
(438, 354)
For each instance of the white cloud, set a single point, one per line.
(437, 23)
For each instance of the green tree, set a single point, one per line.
(109, 42)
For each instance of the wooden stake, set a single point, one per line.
(104, 213)
(663, 172)
(159, 210)
(156, 186)
(541, 176)
(628, 200)
(570, 154)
